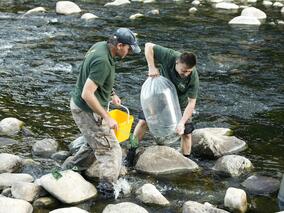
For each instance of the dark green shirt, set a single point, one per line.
(98, 66)
(186, 87)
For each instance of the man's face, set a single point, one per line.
(182, 69)
(123, 50)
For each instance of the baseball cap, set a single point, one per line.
(126, 36)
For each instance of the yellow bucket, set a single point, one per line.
(124, 120)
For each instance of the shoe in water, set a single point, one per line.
(106, 189)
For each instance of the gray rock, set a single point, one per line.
(125, 207)
(8, 179)
(117, 3)
(236, 200)
(10, 126)
(253, 12)
(9, 163)
(69, 210)
(26, 191)
(261, 185)
(88, 16)
(158, 160)
(195, 207)
(215, 142)
(233, 165)
(71, 188)
(7, 141)
(61, 155)
(67, 7)
(148, 193)
(45, 147)
(245, 20)
(14, 206)
(226, 6)
(36, 10)
(45, 202)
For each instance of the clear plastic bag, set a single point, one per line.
(160, 105)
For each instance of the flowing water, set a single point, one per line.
(240, 69)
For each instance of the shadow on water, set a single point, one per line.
(240, 69)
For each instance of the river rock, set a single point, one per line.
(195, 207)
(195, 2)
(267, 3)
(10, 126)
(36, 10)
(153, 12)
(117, 3)
(124, 207)
(148, 193)
(278, 4)
(135, 16)
(7, 192)
(261, 185)
(192, 10)
(245, 20)
(71, 188)
(215, 142)
(233, 165)
(226, 6)
(45, 148)
(253, 12)
(61, 155)
(236, 200)
(26, 191)
(67, 7)
(282, 10)
(14, 206)
(45, 202)
(88, 16)
(8, 179)
(9, 163)
(7, 141)
(69, 210)
(158, 160)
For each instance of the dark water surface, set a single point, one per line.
(241, 75)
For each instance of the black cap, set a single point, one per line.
(126, 36)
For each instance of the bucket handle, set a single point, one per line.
(128, 117)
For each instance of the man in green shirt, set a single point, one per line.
(180, 69)
(93, 91)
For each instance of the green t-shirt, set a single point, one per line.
(98, 66)
(186, 87)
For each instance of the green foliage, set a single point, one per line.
(133, 142)
(56, 174)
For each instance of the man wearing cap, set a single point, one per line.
(93, 91)
(180, 69)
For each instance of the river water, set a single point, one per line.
(240, 69)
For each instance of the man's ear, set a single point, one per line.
(119, 46)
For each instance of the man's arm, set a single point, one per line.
(149, 54)
(186, 115)
(88, 96)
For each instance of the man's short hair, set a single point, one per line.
(188, 58)
(112, 40)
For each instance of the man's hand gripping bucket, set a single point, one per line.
(124, 120)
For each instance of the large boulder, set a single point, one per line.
(148, 193)
(45, 147)
(253, 12)
(125, 207)
(233, 165)
(14, 206)
(236, 200)
(8, 179)
(69, 210)
(195, 207)
(9, 163)
(215, 142)
(159, 160)
(67, 7)
(261, 185)
(10, 126)
(70, 188)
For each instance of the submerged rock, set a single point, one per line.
(36, 10)
(245, 20)
(117, 3)
(261, 185)
(45, 202)
(9, 163)
(195, 207)
(253, 12)
(45, 147)
(158, 160)
(10, 126)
